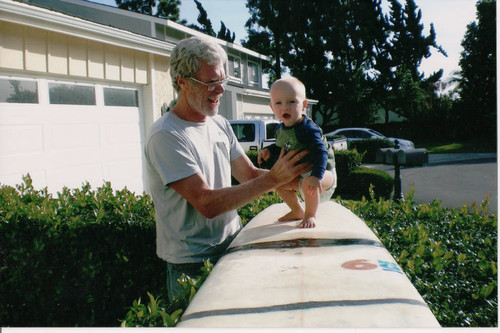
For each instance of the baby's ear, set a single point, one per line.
(304, 104)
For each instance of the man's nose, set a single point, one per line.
(219, 89)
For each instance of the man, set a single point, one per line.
(191, 153)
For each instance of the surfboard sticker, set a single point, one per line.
(335, 275)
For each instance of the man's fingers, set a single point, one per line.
(304, 167)
(282, 152)
(294, 155)
(300, 155)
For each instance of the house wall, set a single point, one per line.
(35, 50)
(30, 50)
(255, 107)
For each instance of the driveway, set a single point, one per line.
(454, 179)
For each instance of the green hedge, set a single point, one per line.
(76, 260)
(85, 257)
(346, 162)
(355, 182)
(450, 255)
(362, 181)
(369, 148)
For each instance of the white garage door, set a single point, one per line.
(67, 133)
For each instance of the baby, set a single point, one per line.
(297, 131)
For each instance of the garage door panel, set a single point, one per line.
(120, 152)
(39, 177)
(74, 136)
(120, 115)
(119, 134)
(21, 139)
(121, 176)
(71, 114)
(21, 164)
(71, 176)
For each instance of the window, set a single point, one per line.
(74, 94)
(18, 91)
(234, 66)
(244, 132)
(121, 97)
(271, 130)
(253, 73)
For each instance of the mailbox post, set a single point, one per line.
(398, 192)
(401, 157)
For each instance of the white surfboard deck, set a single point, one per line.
(335, 275)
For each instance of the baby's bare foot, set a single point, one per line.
(308, 222)
(291, 216)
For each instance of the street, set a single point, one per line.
(454, 179)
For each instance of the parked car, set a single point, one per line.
(356, 133)
(257, 134)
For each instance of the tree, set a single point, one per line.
(477, 85)
(207, 28)
(225, 34)
(167, 9)
(406, 89)
(352, 58)
(329, 45)
(266, 29)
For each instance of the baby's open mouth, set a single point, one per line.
(286, 116)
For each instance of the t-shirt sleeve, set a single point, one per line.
(170, 157)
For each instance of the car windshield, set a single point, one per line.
(244, 132)
(377, 133)
(271, 131)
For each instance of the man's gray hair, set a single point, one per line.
(190, 52)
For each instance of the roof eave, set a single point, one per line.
(42, 18)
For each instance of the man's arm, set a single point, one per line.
(243, 169)
(213, 202)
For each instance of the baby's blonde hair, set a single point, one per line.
(293, 81)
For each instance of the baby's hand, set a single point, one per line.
(311, 185)
(264, 155)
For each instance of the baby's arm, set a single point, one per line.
(264, 155)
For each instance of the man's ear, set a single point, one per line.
(182, 81)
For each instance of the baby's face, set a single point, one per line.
(288, 103)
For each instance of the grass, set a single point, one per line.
(446, 147)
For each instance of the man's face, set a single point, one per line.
(199, 98)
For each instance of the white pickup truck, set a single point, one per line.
(257, 134)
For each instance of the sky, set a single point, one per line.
(450, 19)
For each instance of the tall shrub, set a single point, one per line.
(77, 259)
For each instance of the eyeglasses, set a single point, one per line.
(212, 85)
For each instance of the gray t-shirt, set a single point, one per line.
(176, 149)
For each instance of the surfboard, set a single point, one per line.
(337, 274)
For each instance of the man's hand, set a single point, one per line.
(287, 167)
(264, 155)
